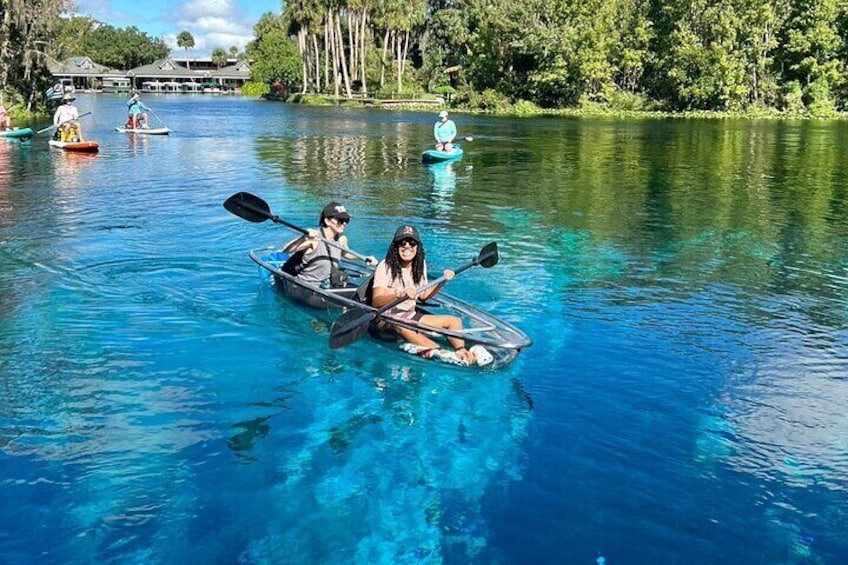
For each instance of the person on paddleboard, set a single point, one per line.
(444, 130)
(137, 112)
(66, 120)
(5, 120)
(400, 274)
(314, 261)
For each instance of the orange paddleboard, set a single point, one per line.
(78, 146)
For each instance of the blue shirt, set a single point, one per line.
(444, 132)
(136, 107)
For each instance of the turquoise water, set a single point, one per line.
(684, 401)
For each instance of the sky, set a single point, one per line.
(213, 23)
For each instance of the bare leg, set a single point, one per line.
(450, 323)
(416, 338)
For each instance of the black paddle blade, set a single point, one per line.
(350, 326)
(247, 206)
(488, 255)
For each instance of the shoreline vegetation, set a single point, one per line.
(529, 110)
(634, 59)
(521, 110)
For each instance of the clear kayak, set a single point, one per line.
(143, 131)
(499, 338)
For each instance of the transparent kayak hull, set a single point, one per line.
(503, 340)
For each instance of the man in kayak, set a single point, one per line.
(402, 273)
(444, 130)
(5, 120)
(312, 259)
(138, 112)
(66, 119)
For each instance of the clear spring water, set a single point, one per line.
(684, 401)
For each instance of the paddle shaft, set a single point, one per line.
(157, 117)
(419, 290)
(277, 220)
(63, 123)
(354, 323)
(427, 286)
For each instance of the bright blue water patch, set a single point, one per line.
(683, 400)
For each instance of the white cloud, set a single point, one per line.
(197, 9)
(212, 23)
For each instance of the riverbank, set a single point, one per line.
(528, 109)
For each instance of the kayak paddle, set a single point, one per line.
(353, 324)
(57, 125)
(253, 209)
(158, 118)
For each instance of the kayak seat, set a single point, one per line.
(365, 290)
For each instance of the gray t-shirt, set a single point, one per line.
(316, 266)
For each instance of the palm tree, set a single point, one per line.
(186, 41)
(219, 57)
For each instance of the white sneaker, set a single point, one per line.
(449, 357)
(419, 350)
(482, 354)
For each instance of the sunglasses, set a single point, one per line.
(407, 243)
(342, 221)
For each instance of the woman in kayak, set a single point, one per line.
(400, 274)
(313, 260)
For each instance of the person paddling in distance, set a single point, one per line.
(313, 260)
(400, 274)
(138, 112)
(66, 119)
(444, 130)
(5, 120)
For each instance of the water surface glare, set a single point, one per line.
(685, 283)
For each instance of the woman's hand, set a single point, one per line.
(410, 293)
(448, 274)
(371, 260)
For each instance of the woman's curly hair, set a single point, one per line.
(394, 263)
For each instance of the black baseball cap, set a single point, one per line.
(406, 232)
(335, 210)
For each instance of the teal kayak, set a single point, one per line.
(434, 156)
(17, 133)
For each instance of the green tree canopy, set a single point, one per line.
(275, 57)
(115, 47)
(185, 40)
(219, 57)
